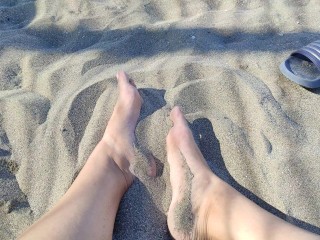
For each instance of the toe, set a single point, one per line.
(181, 129)
(185, 141)
(123, 79)
(177, 116)
(129, 94)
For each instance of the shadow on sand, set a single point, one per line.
(210, 148)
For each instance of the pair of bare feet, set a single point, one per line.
(202, 206)
(183, 157)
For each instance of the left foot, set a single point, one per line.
(191, 180)
(119, 134)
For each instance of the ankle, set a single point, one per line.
(212, 222)
(120, 162)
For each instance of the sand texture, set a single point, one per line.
(217, 59)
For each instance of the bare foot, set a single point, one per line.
(205, 207)
(191, 181)
(119, 134)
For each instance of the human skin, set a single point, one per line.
(89, 207)
(220, 212)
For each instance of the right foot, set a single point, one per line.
(205, 207)
(192, 183)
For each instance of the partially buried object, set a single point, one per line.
(303, 66)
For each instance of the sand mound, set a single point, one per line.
(218, 60)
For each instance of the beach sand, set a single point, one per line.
(217, 60)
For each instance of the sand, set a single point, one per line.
(218, 60)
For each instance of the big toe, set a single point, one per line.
(177, 117)
(180, 131)
(128, 91)
(184, 140)
(124, 80)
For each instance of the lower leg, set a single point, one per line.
(227, 214)
(219, 211)
(88, 209)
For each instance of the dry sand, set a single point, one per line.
(218, 60)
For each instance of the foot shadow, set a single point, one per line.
(209, 145)
(153, 100)
(10, 20)
(138, 217)
(4, 153)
